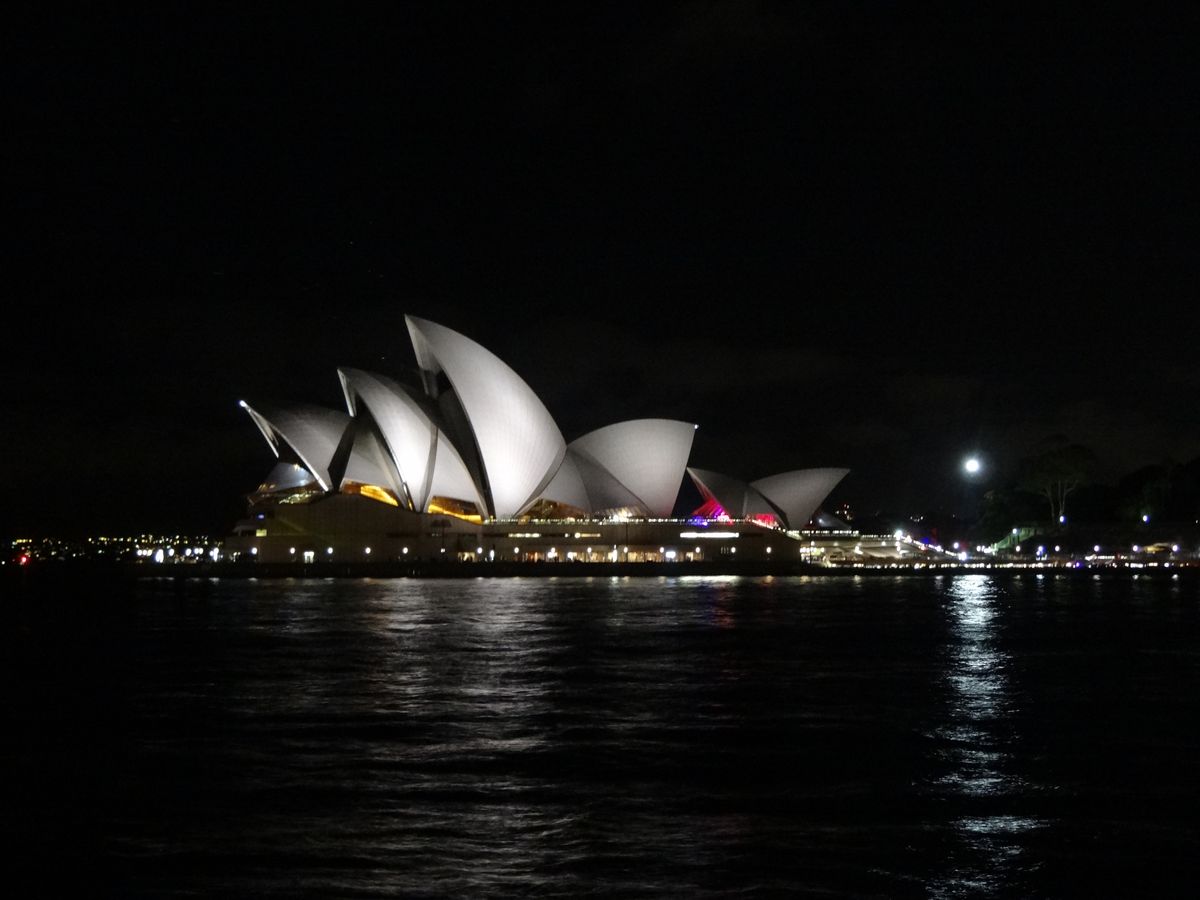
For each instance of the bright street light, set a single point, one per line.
(972, 465)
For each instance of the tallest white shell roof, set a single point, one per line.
(519, 443)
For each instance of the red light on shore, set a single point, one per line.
(23, 559)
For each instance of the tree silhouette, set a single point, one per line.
(1056, 471)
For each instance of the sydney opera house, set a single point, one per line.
(469, 465)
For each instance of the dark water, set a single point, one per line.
(942, 737)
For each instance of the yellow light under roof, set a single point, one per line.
(377, 493)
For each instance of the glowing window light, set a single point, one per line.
(374, 492)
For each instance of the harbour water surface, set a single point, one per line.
(966, 735)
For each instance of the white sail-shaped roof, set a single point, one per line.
(605, 493)
(312, 432)
(370, 463)
(648, 456)
(451, 477)
(738, 499)
(567, 487)
(519, 443)
(428, 463)
(728, 492)
(407, 431)
(799, 493)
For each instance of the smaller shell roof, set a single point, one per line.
(647, 457)
(311, 432)
(736, 497)
(799, 493)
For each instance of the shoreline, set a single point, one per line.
(49, 574)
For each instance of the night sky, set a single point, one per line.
(877, 236)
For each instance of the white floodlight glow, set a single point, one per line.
(972, 465)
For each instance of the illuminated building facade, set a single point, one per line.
(470, 465)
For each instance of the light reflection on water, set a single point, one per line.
(980, 736)
(699, 737)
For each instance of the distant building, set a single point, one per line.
(470, 465)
